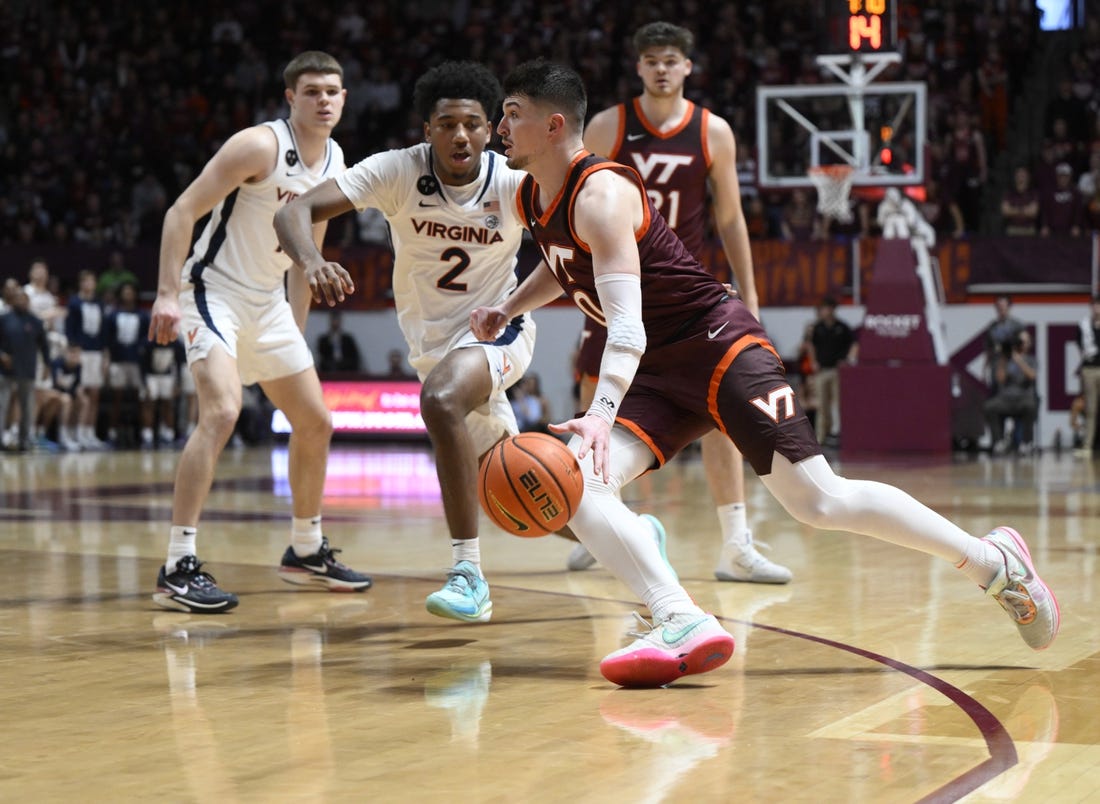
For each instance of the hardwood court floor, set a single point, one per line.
(877, 675)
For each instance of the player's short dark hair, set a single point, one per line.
(553, 84)
(310, 61)
(457, 80)
(663, 34)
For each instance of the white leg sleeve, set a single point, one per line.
(812, 493)
(615, 535)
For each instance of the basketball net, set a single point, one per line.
(834, 184)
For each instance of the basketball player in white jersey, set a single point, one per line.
(450, 205)
(228, 297)
(682, 151)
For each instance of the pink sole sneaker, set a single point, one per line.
(1022, 593)
(644, 664)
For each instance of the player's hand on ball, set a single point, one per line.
(595, 435)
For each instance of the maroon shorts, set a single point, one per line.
(722, 373)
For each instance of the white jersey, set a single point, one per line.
(455, 246)
(238, 248)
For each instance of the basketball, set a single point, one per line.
(530, 484)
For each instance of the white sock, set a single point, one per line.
(981, 563)
(619, 539)
(734, 522)
(181, 542)
(467, 550)
(305, 535)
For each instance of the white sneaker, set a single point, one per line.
(682, 645)
(743, 562)
(166, 435)
(68, 443)
(1020, 591)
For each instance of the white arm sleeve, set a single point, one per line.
(621, 300)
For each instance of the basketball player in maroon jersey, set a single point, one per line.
(683, 358)
(680, 150)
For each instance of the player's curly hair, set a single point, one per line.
(457, 80)
(663, 34)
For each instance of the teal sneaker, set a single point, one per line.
(464, 597)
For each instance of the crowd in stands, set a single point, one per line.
(118, 104)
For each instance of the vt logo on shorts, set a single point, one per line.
(782, 397)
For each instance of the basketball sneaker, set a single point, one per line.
(321, 569)
(188, 588)
(682, 645)
(743, 562)
(464, 597)
(1020, 591)
(580, 559)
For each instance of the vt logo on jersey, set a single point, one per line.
(780, 398)
(664, 164)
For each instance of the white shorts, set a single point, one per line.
(508, 358)
(125, 375)
(160, 386)
(91, 369)
(258, 331)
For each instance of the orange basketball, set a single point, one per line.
(530, 484)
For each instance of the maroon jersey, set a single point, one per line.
(673, 165)
(707, 363)
(676, 289)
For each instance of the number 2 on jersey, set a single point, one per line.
(460, 262)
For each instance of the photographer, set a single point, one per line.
(1014, 373)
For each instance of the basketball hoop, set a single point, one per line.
(834, 184)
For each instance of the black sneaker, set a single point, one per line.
(190, 589)
(321, 569)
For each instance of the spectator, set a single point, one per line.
(337, 349)
(966, 167)
(999, 337)
(161, 366)
(993, 95)
(833, 343)
(800, 220)
(84, 328)
(43, 303)
(60, 406)
(1060, 212)
(397, 367)
(942, 213)
(1089, 181)
(124, 335)
(1015, 371)
(530, 406)
(22, 345)
(115, 275)
(1088, 338)
(1020, 205)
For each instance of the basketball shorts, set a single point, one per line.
(160, 386)
(723, 373)
(508, 357)
(91, 369)
(125, 375)
(257, 330)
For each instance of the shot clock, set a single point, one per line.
(864, 26)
